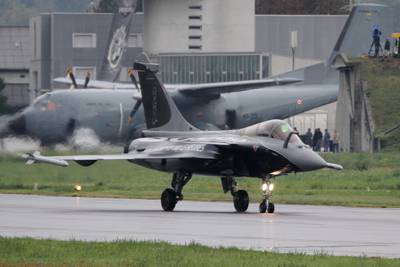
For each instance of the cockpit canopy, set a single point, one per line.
(277, 129)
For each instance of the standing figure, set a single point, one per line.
(376, 40)
(327, 138)
(309, 138)
(335, 141)
(386, 53)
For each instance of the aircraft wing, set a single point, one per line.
(194, 90)
(210, 89)
(96, 83)
(87, 160)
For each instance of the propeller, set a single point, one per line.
(87, 79)
(131, 73)
(71, 75)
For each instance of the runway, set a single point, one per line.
(293, 228)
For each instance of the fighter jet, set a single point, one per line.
(171, 144)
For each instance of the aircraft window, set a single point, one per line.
(282, 131)
(45, 104)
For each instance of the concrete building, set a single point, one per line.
(357, 131)
(14, 64)
(316, 38)
(190, 26)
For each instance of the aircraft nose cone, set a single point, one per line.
(17, 125)
(311, 161)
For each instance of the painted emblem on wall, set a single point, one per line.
(117, 47)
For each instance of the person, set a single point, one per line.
(314, 139)
(376, 39)
(386, 53)
(318, 139)
(308, 137)
(327, 138)
(335, 140)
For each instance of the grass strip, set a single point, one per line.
(31, 252)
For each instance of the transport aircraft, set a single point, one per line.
(116, 116)
(173, 145)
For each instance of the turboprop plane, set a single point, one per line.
(171, 144)
(55, 116)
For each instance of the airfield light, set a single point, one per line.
(78, 188)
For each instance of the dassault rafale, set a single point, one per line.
(171, 144)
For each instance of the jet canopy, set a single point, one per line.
(276, 129)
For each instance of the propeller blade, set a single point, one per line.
(131, 73)
(87, 79)
(71, 75)
(134, 110)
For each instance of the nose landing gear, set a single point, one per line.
(266, 204)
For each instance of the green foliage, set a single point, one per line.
(31, 252)
(18, 12)
(383, 79)
(107, 6)
(302, 7)
(3, 99)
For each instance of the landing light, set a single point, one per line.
(78, 188)
(264, 187)
(271, 187)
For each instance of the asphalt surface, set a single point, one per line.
(293, 228)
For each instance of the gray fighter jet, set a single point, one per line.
(173, 145)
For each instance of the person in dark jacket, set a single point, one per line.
(308, 137)
(376, 39)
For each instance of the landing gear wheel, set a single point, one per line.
(241, 201)
(271, 207)
(263, 207)
(168, 199)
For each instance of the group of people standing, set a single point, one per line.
(322, 141)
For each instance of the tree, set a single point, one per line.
(3, 99)
(107, 6)
(302, 6)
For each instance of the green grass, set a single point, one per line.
(369, 180)
(30, 252)
(383, 78)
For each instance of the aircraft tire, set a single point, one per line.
(168, 199)
(263, 207)
(241, 201)
(271, 207)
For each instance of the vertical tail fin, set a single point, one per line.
(356, 36)
(160, 110)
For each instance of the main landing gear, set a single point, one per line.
(266, 204)
(240, 197)
(171, 196)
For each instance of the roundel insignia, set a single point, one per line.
(299, 101)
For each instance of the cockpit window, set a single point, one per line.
(44, 103)
(277, 129)
(282, 131)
